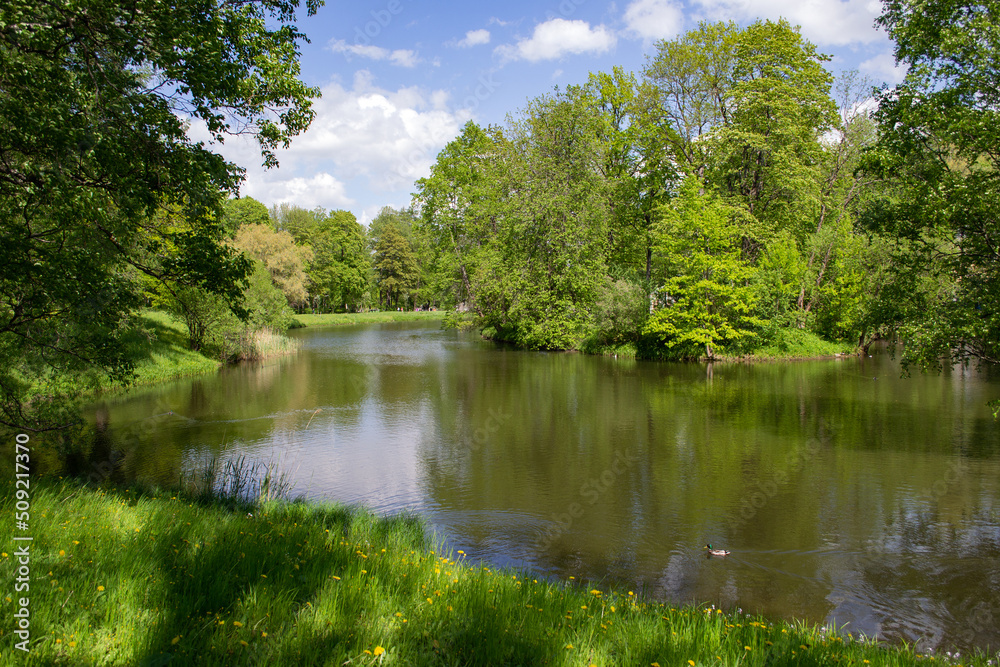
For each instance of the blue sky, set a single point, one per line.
(401, 77)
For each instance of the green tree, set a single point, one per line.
(538, 279)
(706, 299)
(281, 256)
(396, 270)
(244, 211)
(937, 150)
(638, 167)
(454, 203)
(341, 266)
(95, 100)
(301, 223)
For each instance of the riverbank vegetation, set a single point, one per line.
(374, 317)
(128, 576)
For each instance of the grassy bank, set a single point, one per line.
(163, 354)
(337, 319)
(125, 577)
(793, 343)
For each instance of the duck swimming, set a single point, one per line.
(716, 552)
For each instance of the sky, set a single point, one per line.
(399, 78)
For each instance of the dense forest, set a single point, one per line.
(729, 196)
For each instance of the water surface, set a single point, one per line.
(846, 493)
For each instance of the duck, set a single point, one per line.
(716, 552)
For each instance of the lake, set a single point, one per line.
(846, 493)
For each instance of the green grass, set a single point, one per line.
(794, 343)
(164, 355)
(337, 319)
(130, 577)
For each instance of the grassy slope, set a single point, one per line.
(120, 577)
(166, 355)
(335, 319)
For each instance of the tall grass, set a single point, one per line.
(237, 481)
(127, 576)
(256, 345)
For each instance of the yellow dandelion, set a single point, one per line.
(243, 643)
(569, 646)
(747, 648)
(691, 662)
(378, 651)
(100, 588)
(62, 553)
(237, 624)
(175, 640)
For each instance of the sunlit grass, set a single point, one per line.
(132, 577)
(335, 319)
(794, 343)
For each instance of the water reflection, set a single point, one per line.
(846, 493)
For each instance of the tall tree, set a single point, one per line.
(341, 266)
(396, 270)
(938, 148)
(95, 100)
(281, 256)
(706, 299)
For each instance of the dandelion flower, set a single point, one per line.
(237, 624)
(100, 588)
(378, 651)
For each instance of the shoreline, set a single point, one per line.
(137, 574)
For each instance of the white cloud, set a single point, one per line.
(558, 37)
(654, 19)
(474, 38)
(401, 57)
(365, 147)
(883, 68)
(824, 22)
(319, 190)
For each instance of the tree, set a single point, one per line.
(938, 136)
(541, 273)
(453, 205)
(396, 270)
(244, 211)
(638, 167)
(277, 251)
(301, 223)
(95, 101)
(341, 266)
(706, 299)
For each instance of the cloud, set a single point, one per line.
(824, 22)
(318, 190)
(557, 38)
(400, 57)
(654, 19)
(365, 147)
(883, 68)
(474, 38)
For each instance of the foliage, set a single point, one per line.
(706, 299)
(620, 312)
(339, 273)
(244, 211)
(95, 102)
(396, 270)
(279, 254)
(939, 131)
(299, 222)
